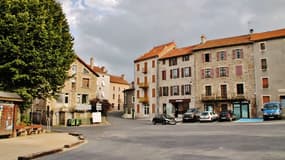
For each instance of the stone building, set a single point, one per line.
(224, 71)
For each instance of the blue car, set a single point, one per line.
(272, 110)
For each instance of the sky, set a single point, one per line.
(116, 32)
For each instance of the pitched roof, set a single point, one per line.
(87, 66)
(155, 51)
(268, 35)
(98, 69)
(118, 79)
(10, 96)
(178, 52)
(230, 41)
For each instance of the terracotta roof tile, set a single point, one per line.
(268, 35)
(118, 79)
(156, 51)
(230, 41)
(178, 52)
(98, 69)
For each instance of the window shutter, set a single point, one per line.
(177, 72)
(190, 74)
(160, 91)
(167, 92)
(241, 53)
(217, 72)
(218, 56)
(212, 73)
(182, 72)
(210, 57)
(171, 91)
(182, 90)
(227, 72)
(225, 55)
(238, 70)
(202, 73)
(234, 54)
(171, 74)
(177, 90)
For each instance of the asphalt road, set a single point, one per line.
(140, 140)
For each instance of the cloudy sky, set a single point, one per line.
(115, 32)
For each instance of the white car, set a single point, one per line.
(208, 116)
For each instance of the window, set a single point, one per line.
(113, 96)
(174, 90)
(84, 99)
(144, 70)
(85, 71)
(264, 64)
(207, 57)
(146, 110)
(153, 78)
(138, 67)
(265, 99)
(223, 72)
(208, 90)
(74, 69)
(138, 81)
(163, 75)
(224, 91)
(73, 85)
(153, 92)
(237, 54)
(163, 61)
(262, 46)
(153, 63)
(138, 94)
(66, 98)
(240, 89)
(164, 91)
(186, 89)
(186, 72)
(239, 70)
(113, 88)
(138, 108)
(221, 56)
(174, 73)
(208, 73)
(185, 58)
(265, 83)
(85, 82)
(172, 61)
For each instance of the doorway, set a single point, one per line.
(241, 110)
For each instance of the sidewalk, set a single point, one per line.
(32, 146)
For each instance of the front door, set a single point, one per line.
(241, 110)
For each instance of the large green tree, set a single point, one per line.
(36, 47)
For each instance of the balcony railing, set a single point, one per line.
(143, 85)
(143, 100)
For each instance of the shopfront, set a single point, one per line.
(241, 109)
(180, 106)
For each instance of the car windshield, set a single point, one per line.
(204, 113)
(271, 106)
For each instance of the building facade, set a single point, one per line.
(176, 78)
(74, 100)
(225, 76)
(117, 85)
(146, 80)
(129, 99)
(269, 53)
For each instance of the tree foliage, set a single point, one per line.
(36, 47)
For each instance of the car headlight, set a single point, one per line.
(265, 113)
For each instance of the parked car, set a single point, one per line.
(163, 119)
(191, 115)
(227, 116)
(208, 116)
(272, 110)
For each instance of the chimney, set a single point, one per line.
(203, 39)
(91, 62)
(251, 31)
(103, 68)
(123, 76)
